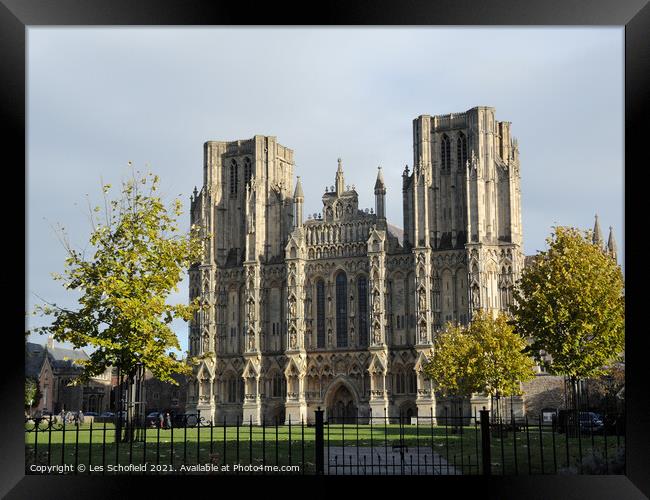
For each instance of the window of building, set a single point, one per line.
(412, 382)
(461, 150)
(248, 170)
(362, 289)
(445, 152)
(276, 390)
(231, 389)
(341, 310)
(234, 181)
(320, 313)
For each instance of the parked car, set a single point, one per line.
(591, 422)
(153, 419)
(107, 414)
(91, 414)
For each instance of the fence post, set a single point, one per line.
(320, 443)
(485, 441)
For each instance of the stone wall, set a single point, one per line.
(544, 391)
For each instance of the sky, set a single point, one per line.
(99, 98)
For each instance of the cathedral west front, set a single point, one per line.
(339, 310)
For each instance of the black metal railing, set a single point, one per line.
(578, 443)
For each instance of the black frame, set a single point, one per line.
(16, 15)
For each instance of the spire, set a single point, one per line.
(380, 194)
(340, 183)
(598, 236)
(379, 184)
(611, 243)
(298, 198)
(298, 192)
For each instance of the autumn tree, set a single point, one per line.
(499, 356)
(138, 257)
(487, 356)
(570, 303)
(451, 366)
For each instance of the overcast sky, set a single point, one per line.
(98, 98)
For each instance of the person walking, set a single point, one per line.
(168, 420)
(161, 417)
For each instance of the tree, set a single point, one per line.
(500, 356)
(487, 357)
(451, 367)
(32, 392)
(570, 304)
(139, 258)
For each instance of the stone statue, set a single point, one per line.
(376, 306)
(476, 300)
(292, 307)
(251, 310)
(376, 335)
(422, 300)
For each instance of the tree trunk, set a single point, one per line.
(130, 409)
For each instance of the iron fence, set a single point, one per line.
(578, 443)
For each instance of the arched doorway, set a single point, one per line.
(407, 411)
(342, 406)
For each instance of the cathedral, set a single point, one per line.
(338, 310)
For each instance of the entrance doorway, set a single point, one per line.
(342, 408)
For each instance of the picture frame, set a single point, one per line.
(16, 16)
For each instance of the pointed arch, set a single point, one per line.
(341, 284)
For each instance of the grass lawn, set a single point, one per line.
(535, 452)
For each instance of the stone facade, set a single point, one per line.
(337, 311)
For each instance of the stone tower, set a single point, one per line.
(462, 220)
(246, 205)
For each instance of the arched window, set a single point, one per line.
(233, 177)
(277, 391)
(320, 313)
(362, 289)
(461, 150)
(399, 379)
(341, 310)
(248, 172)
(412, 382)
(232, 389)
(445, 152)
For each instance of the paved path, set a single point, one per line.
(378, 460)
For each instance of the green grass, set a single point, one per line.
(514, 453)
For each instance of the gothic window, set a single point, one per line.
(233, 177)
(399, 325)
(399, 386)
(341, 310)
(412, 383)
(320, 313)
(362, 286)
(232, 389)
(445, 152)
(247, 170)
(277, 391)
(461, 150)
